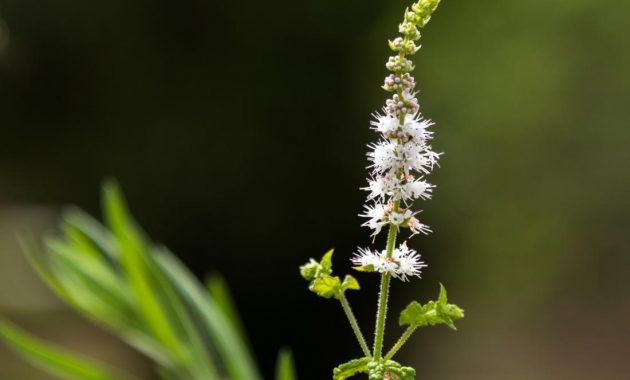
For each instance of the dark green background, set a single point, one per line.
(239, 129)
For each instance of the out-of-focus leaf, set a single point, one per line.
(432, 313)
(285, 367)
(201, 364)
(233, 351)
(220, 293)
(131, 244)
(350, 282)
(55, 360)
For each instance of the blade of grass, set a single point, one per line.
(202, 366)
(132, 247)
(233, 351)
(61, 362)
(220, 293)
(285, 367)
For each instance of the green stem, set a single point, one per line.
(403, 339)
(384, 293)
(353, 322)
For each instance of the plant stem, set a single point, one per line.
(384, 293)
(354, 324)
(401, 341)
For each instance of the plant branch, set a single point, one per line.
(353, 322)
(384, 293)
(403, 339)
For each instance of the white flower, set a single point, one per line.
(416, 189)
(377, 217)
(385, 124)
(416, 128)
(390, 156)
(409, 263)
(416, 227)
(399, 217)
(403, 263)
(406, 189)
(382, 186)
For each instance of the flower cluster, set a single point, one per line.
(402, 157)
(403, 263)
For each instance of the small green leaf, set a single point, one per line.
(442, 299)
(326, 286)
(365, 268)
(350, 282)
(327, 262)
(285, 367)
(220, 292)
(351, 368)
(432, 313)
(53, 359)
(309, 270)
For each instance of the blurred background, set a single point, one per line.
(238, 131)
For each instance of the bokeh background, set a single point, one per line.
(238, 131)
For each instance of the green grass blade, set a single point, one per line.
(55, 360)
(133, 250)
(285, 367)
(37, 258)
(202, 366)
(220, 293)
(231, 348)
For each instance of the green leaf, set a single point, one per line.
(432, 313)
(285, 367)
(309, 270)
(442, 298)
(326, 286)
(364, 268)
(327, 262)
(350, 282)
(53, 359)
(351, 368)
(233, 351)
(131, 244)
(220, 293)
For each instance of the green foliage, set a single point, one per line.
(321, 280)
(314, 269)
(390, 370)
(285, 367)
(351, 368)
(432, 313)
(55, 360)
(350, 282)
(364, 268)
(115, 276)
(325, 286)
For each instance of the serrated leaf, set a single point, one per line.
(326, 286)
(326, 262)
(351, 283)
(351, 368)
(432, 313)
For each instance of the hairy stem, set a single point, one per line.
(384, 293)
(403, 339)
(354, 324)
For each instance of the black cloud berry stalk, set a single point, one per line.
(399, 161)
